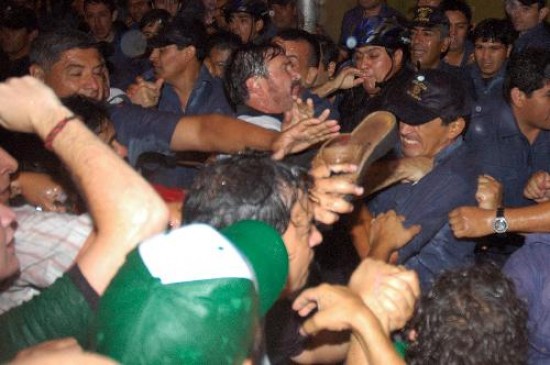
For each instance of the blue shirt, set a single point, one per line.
(488, 94)
(529, 269)
(537, 37)
(506, 154)
(208, 96)
(451, 183)
(142, 130)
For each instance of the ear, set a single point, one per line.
(398, 57)
(258, 26)
(456, 128)
(33, 35)
(543, 13)
(311, 75)
(445, 45)
(254, 87)
(509, 51)
(517, 97)
(114, 15)
(192, 51)
(331, 69)
(38, 72)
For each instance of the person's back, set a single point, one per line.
(528, 269)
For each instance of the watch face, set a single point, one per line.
(500, 225)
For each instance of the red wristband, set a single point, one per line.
(48, 142)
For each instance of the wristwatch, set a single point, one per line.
(500, 225)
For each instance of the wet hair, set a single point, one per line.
(48, 48)
(328, 49)
(470, 316)
(495, 30)
(299, 35)
(526, 71)
(246, 186)
(249, 61)
(457, 5)
(109, 3)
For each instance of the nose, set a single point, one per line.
(405, 128)
(7, 216)
(8, 165)
(154, 55)
(315, 237)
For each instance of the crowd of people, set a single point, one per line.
(206, 182)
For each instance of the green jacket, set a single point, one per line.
(61, 310)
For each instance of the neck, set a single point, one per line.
(530, 132)
(185, 82)
(454, 58)
(375, 10)
(107, 39)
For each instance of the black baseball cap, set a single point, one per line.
(429, 17)
(427, 95)
(256, 8)
(182, 32)
(18, 17)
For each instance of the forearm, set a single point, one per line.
(531, 219)
(325, 90)
(218, 133)
(124, 207)
(370, 344)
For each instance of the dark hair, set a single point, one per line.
(247, 62)
(525, 71)
(299, 35)
(223, 40)
(47, 48)
(153, 16)
(457, 5)
(495, 30)
(470, 316)
(109, 3)
(247, 186)
(328, 49)
(93, 113)
(184, 31)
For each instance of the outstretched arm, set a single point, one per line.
(219, 133)
(124, 207)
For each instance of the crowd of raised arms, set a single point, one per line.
(221, 182)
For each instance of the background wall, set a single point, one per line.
(332, 11)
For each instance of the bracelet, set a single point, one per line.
(48, 142)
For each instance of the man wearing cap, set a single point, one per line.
(432, 115)
(528, 18)
(364, 10)
(249, 19)
(18, 28)
(380, 53)
(189, 89)
(430, 39)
